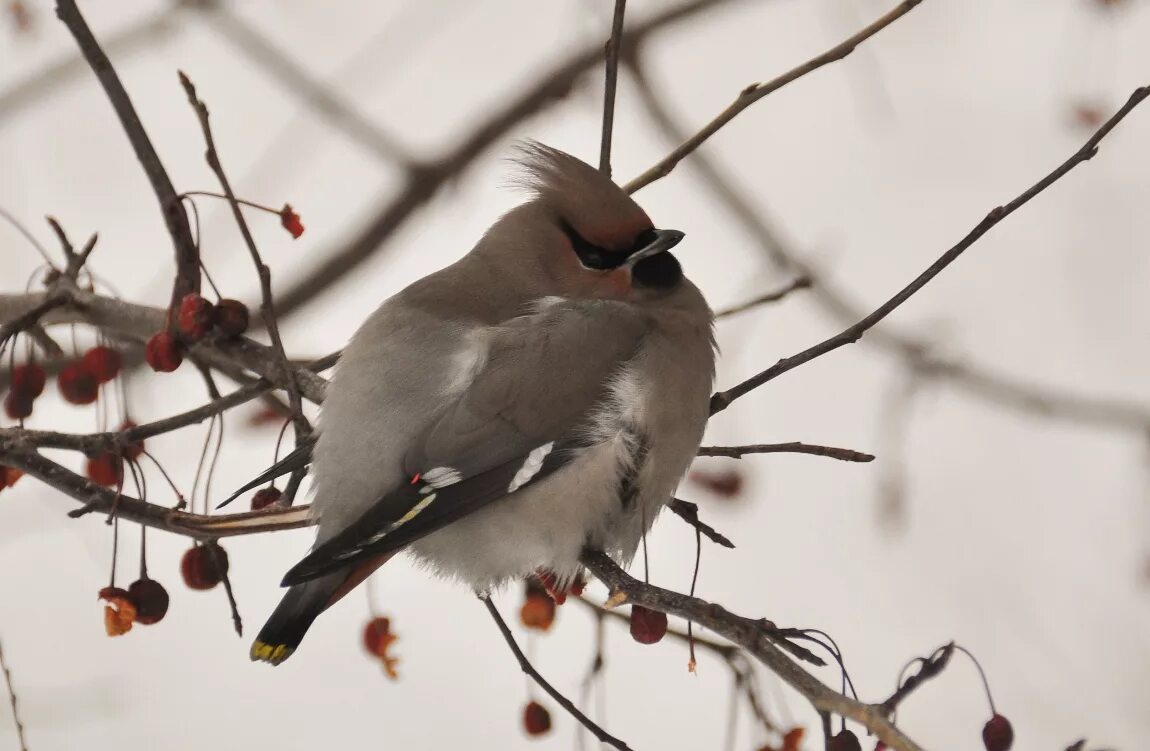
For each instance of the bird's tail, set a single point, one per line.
(302, 604)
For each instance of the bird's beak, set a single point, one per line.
(665, 239)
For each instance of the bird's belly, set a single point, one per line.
(544, 526)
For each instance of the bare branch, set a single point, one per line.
(187, 255)
(723, 399)
(526, 667)
(96, 498)
(754, 636)
(803, 282)
(689, 512)
(611, 73)
(794, 447)
(757, 91)
(13, 701)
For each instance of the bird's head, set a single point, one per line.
(595, 242)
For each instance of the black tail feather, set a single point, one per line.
(291, 619)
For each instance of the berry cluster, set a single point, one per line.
(195, 319)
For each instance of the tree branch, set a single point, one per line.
(611, 74)
(754, 636)
(794, 447)
(851, 334)
(757, 91)
(802, 282)
(172, 209)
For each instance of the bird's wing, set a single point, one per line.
(523, 416)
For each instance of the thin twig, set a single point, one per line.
(176, 220)
(13, 701)
(802, 282)
(794, 447)
(267, 306)
(689, 512)
(851, 334)
(928, 668)
(611, 75)
(525, 665)
(757, 91)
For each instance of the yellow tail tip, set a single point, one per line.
(270, 653)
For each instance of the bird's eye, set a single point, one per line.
(592, 256)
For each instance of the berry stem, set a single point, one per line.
(982, 674)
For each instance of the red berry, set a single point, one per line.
(163, 353)
(204, 566)
(536, 718)
(231, 317)
(265, 497)
(538, 611)
(997, 734)
(77, 384)
(9, 476)
(377, 640)
(103, 362)
(134, 449)
(647, 626)
(17, 405)
(105, 469)
(290, 221)
(725, 484)
(150, 599)
(844, 741)
(196, 317)
(29, 379)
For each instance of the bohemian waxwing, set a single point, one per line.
(545, 392)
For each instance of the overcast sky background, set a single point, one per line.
(1025, 539)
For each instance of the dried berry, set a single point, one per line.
(196, 317)
(119, 613)
(377, 640)
(163, 353)
(17, 405)
(29, 380)
(844, 741)
(538, 611)
(536, 718)
(103, 362)
(133, 449)
(725, 484)
(290, 221)
(204, 566)
(997, 734)
(647, 626)
(78, 385)
(9, 476)
(105, 469)
(265, 497)
(150, 599)
(231, 317)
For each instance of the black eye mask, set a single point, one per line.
(602, 259)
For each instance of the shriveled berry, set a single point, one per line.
(163, 353)
(290, 221)
(377, 640)
(119, 613)
(103, 362)
(17, 405)
(997, 734)
(9, 476)
(647, 626)
(195, 318)
(78, 385)
(844, 741)
(231, 317)
(29, 379)
(105, 469)
(536, 719)
(134, 449)
(265, 497)
(204, 566)
(725, 484)
(150, 599)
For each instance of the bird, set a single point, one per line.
(544, 393)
